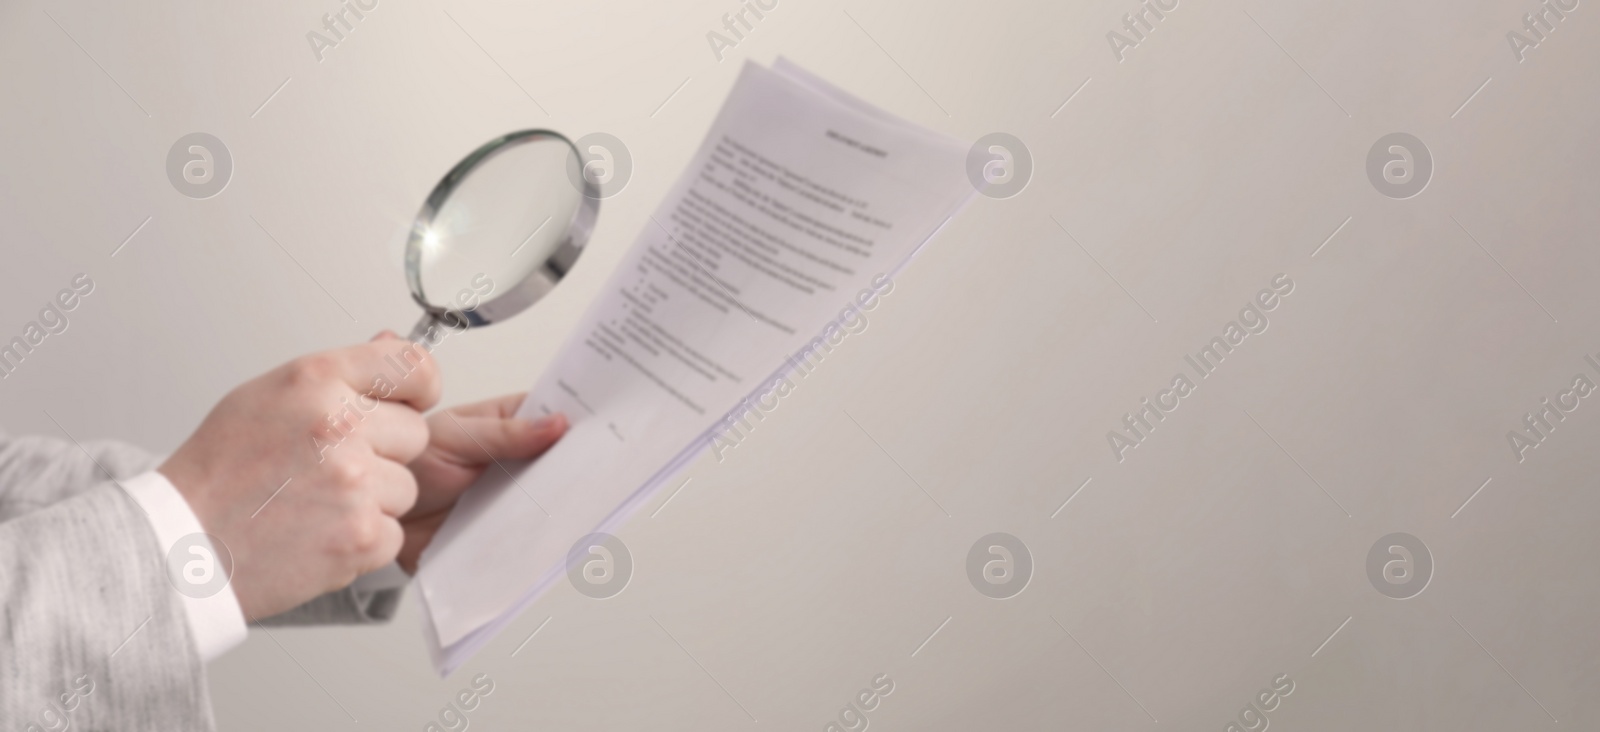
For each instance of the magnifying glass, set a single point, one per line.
(499, 231)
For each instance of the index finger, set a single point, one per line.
(392, 369)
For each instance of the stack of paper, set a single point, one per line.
(798, 199)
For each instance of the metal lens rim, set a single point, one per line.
(539, 280)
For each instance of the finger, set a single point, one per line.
(393, 431)
(479, 440)
(390, 369)
(393, 487)
(503, 407)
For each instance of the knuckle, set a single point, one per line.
(362, 534)
(346, 474)
(323, 429)
(373, 539)
(311, 371)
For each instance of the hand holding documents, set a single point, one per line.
(799, 198)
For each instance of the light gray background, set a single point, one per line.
(1223, 150)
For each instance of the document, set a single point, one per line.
(798, 200)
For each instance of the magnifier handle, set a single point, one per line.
(420, 330)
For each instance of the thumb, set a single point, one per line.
(478, 440)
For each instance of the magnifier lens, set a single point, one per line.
(500, 224)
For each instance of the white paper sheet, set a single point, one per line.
(799, 197)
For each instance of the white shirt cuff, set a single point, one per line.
(216, 622)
